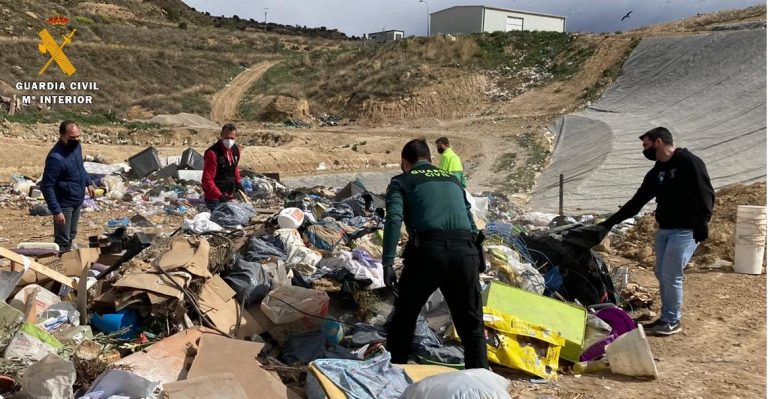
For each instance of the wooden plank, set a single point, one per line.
(46, 271)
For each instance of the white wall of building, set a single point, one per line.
(474, 19)
(457, 20)
(497, 20)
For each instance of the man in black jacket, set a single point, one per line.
(682, 188)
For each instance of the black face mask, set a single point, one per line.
(72, 144)
(650, 153)
(441, 150)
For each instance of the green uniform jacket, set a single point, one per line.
(425, 198)
(451, 163)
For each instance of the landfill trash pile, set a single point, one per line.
(289, 285)
(637, 242)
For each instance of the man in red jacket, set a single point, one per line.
(221, 175)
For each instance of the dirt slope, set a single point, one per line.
(224, 103)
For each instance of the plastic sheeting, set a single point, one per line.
(710, 90)
(375, 378)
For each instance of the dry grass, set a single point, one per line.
(340, 81)
(148, 62)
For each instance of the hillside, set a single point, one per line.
(390, 81)
(146, 57)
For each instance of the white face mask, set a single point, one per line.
(229, 143)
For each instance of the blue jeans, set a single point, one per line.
(673, 249)
(64, 234)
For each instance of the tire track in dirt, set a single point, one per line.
(224, 103)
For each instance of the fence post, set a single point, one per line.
(561, 194)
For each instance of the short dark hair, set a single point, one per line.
(64, 126)
(658, 133)
(228, 127)
(415, 150)
(442, 140)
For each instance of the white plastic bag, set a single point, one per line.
(479, 205)
(116, 188)
(201, 223)
(512, 269)
(465, 384)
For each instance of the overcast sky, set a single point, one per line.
(356, 17)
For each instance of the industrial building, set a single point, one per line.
(386, 36)
(475, 19)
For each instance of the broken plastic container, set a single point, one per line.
(630, 354)
(620, 322)
(113, 322)
(291, 218)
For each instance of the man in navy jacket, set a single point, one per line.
(64, 184)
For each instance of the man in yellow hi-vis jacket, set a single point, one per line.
(449, 161)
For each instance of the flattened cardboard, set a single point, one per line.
(157, 283)
(218, 354)
(226, 386)
(217, 301)
(165, 361)
(188, 253)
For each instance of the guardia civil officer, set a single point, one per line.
(441, 253)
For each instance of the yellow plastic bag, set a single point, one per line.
(514, 343)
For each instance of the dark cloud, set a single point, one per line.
(356, 17)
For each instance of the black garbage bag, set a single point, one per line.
(259, 250)
(426, 344)
(250, 282)
(40, 210)
(584, 274)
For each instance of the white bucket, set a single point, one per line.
(630, 354)
(291, 218)
(750, 236)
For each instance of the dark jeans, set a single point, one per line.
(64, 234)
(211, 205)
(451, 265)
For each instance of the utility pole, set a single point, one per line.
(427, 17)
(266, 17)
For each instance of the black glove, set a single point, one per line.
(225, 198)
(389, 276)
(700, 233)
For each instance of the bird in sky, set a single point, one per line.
(626, 16)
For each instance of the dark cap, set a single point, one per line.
(658, 133)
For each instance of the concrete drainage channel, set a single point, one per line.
(709, 90)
